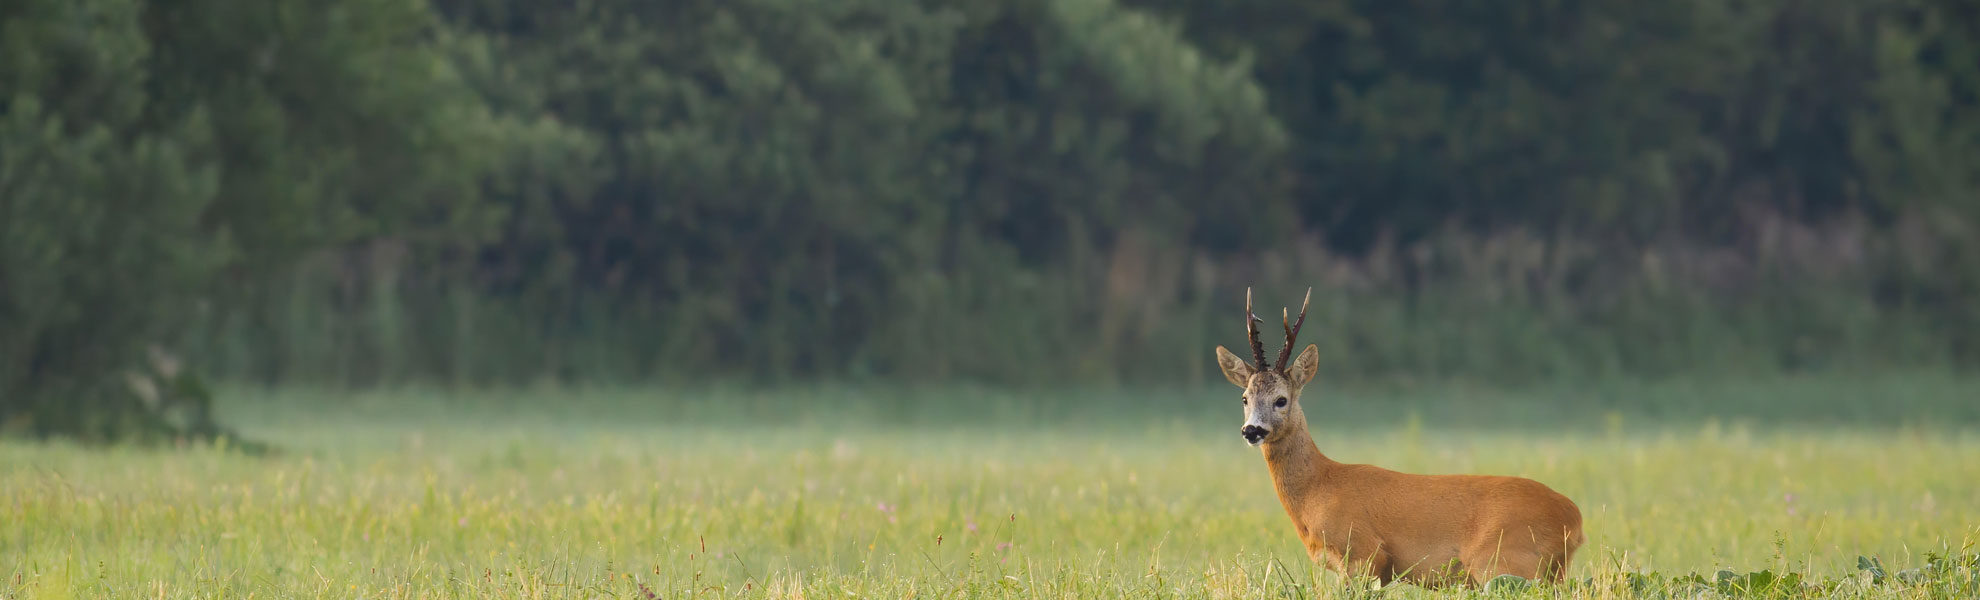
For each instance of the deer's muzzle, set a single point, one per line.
(1254, 434)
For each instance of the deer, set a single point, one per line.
(1367, 521)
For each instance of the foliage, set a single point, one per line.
(149, 149)
(1020, 191)
(100, 205)
(1032, 192)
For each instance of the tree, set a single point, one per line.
(148, 148)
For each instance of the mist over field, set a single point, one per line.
(862, 299)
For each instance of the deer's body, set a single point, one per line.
(1432, 530)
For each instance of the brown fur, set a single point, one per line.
(1431, 530)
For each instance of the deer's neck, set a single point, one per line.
(1299, 471)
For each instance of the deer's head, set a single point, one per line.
(1271, 394)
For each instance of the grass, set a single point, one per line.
(847, 492)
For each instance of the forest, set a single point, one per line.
(479, 193)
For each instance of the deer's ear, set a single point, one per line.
(1304, 367)
(1235, 369)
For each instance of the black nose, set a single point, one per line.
(1253, 433)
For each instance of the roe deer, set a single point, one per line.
(1363, 520)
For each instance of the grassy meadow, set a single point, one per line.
(954, 492)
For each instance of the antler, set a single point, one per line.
(1251, 322)
(1292, 329)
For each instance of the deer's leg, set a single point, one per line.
(1431, 575)
(1373, 562)
(1492, 556)
(1554, 565)
(1536, 559)
(1556, 568)
(1484, 566)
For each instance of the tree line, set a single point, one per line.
(497, 191)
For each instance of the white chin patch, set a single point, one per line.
(1256, 443)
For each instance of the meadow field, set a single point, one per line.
(955, 492)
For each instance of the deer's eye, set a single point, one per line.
(1243, 400)
(1281, 403)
